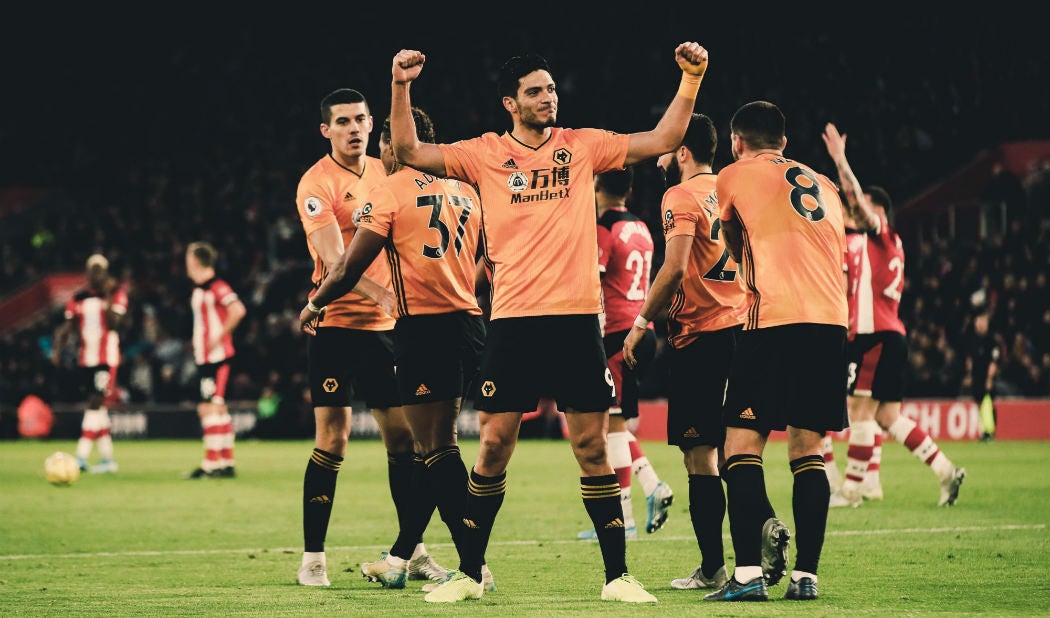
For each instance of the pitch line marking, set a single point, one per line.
(212, 552)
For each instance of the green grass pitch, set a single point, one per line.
(144, 542)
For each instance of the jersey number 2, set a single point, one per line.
(638, 264)
(719, 272)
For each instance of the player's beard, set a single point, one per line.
(673, 173)
(532, 121)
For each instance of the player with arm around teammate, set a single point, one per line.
(429, 228)
(331, 197)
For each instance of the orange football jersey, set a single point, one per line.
(538, 224)
(431, 225)
(712, 294)
(330, 193)
(794, 240)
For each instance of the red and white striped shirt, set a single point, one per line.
(210, 302)
(98, 344)
(625, 258)
(875, 276)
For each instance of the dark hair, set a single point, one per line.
(760, 124)
(424, 127)
(701, 138)
(339, 97)
(616, 182)
(514, 69)
(203, 252)
(879, 196)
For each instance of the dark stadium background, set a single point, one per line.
(139, 130)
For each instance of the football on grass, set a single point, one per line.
(61, 469)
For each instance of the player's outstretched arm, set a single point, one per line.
(378, 294)
(407, 65)
(856, 204)
(668, 133)
(363, 250)
(668, 280)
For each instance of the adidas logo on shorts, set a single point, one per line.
(691, 433)
(747, 415)
(422, 390)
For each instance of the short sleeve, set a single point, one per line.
(71, 308)
(462, 159)
(314, 205)
(680, 214)
(224, 294)
(726, 195)
(608, 149)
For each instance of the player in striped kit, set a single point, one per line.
(95, 313)
(352, 350)
(625, 258)
(216, 313)
(877, 352)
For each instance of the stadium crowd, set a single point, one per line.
(230, 180)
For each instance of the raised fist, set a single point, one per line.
(692, 58)
(407, 65)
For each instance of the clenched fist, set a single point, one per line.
(692, 58)
(407, 65)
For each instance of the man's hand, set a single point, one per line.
(836, 143)
(692, 58)
(308, 320)
(407, 65)
(630, 343)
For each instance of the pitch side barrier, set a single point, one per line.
(943, 419)
(137, 421)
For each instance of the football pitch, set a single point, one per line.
(144, 542)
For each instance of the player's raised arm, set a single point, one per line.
(408, 149)
(857, 205)
(668, 133)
